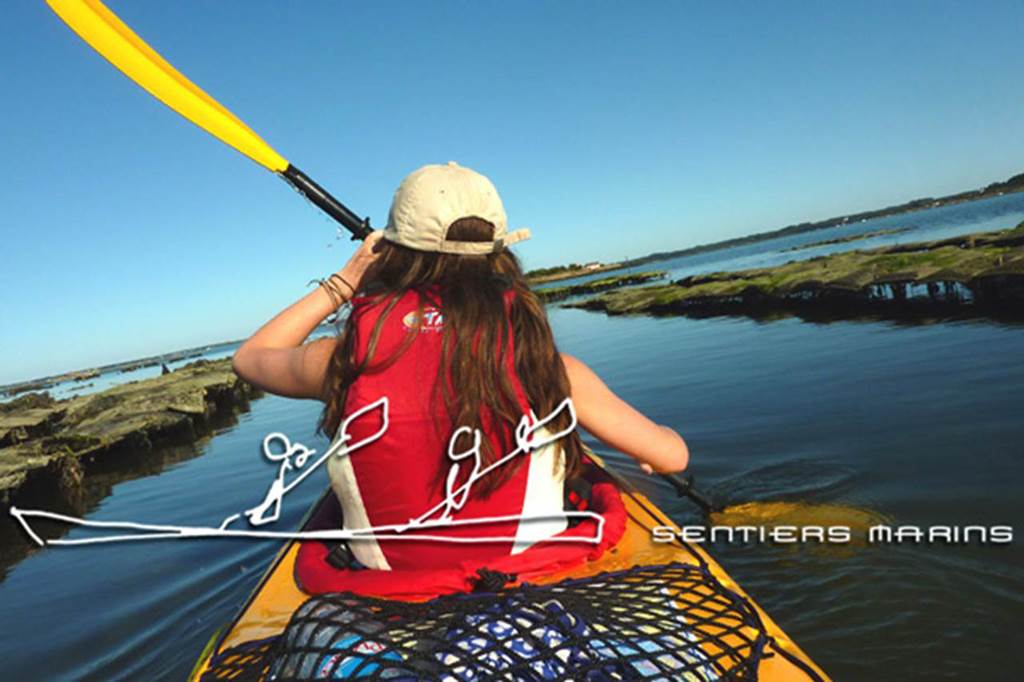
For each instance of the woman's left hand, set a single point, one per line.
(362, 259)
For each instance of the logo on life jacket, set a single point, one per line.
(433, 320)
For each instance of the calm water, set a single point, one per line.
(922, 423)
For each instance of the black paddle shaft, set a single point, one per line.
(359, 227)
(684, 488)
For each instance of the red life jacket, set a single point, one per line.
(401, 475)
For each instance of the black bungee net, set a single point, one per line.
(673, 621)
(667, 622)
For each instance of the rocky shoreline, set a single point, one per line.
(982, 273)
(50, 444)
(66, 455)
(598, 285)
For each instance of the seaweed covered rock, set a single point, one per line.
(984, 270)
(598, 285)
(36, 431)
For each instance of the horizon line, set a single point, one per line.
(1013, 184)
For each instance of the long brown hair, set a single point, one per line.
(473, 380)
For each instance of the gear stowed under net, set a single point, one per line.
(667, 622)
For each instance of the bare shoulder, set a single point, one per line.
(575, 367)
(574, 364)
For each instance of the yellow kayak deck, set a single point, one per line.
(277, 597)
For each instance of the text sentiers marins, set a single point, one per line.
(880, 534)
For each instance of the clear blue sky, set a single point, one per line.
(611, 129)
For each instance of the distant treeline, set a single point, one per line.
(544, 272)
(1014, 184)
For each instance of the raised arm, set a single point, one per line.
(619, 425)
(277, 359)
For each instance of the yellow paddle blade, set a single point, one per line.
(799, 514)
(108, 35)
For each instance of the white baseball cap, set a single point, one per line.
(431, 198)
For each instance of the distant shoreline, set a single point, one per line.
(570, 272)
(1012, 185)
(598, 285)
(43, 383)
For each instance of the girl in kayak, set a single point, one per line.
(444, 324)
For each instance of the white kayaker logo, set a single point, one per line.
(531, 434)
